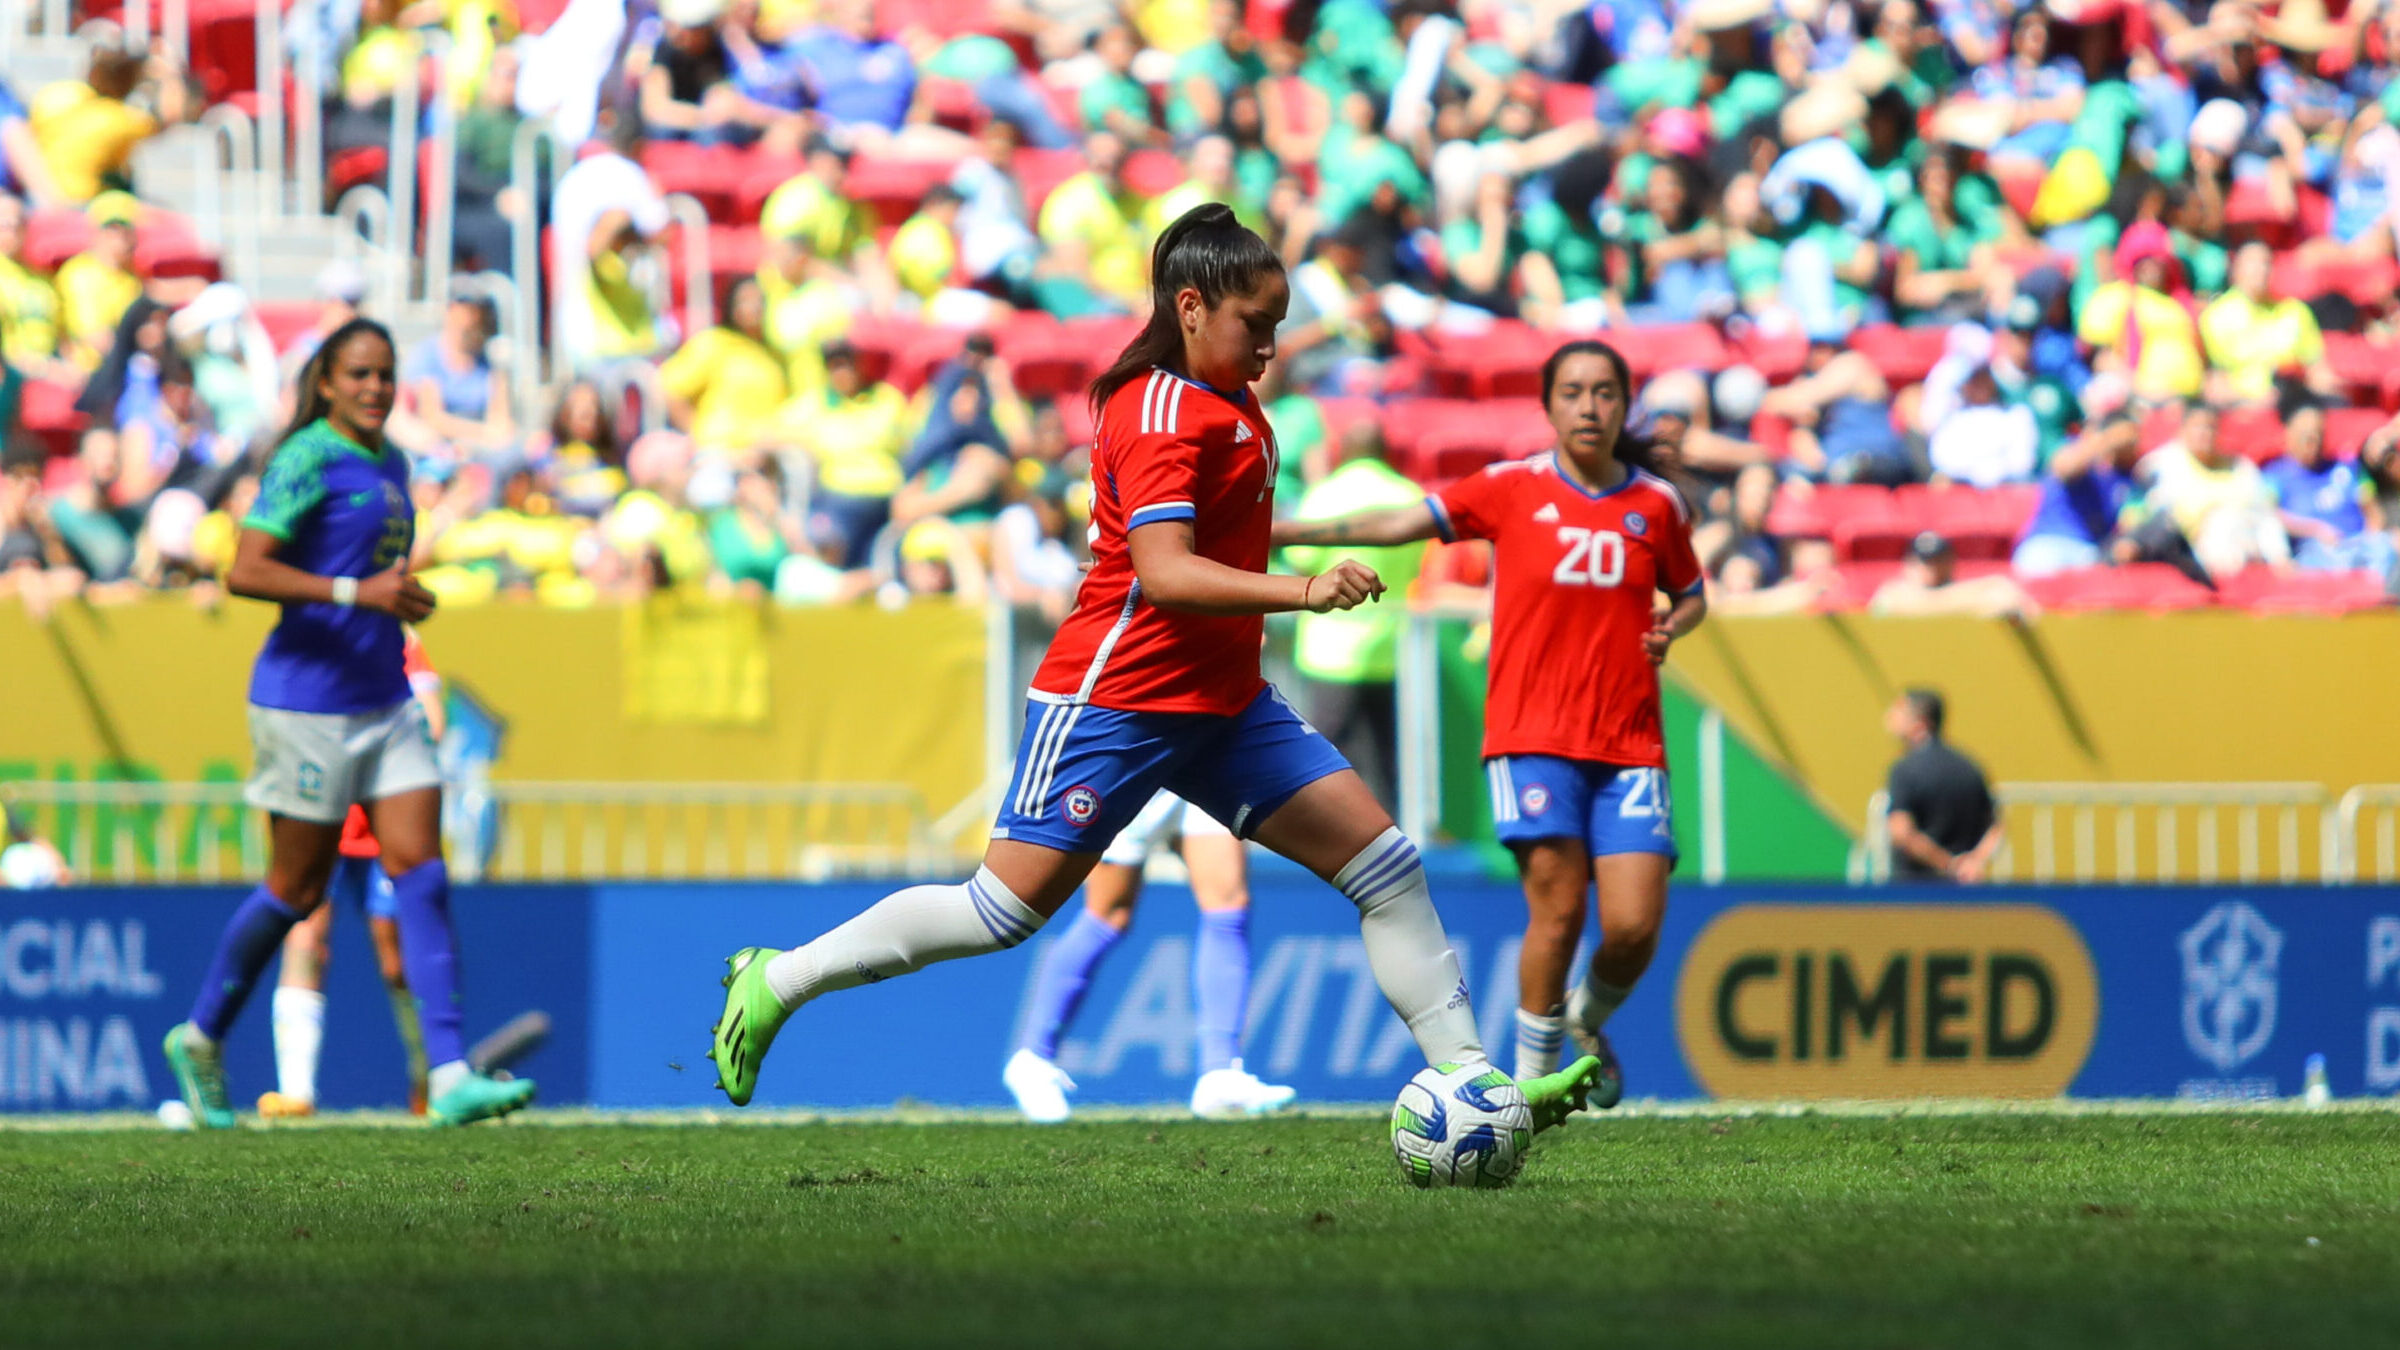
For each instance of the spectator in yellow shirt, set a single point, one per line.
(924, 256)
(88, 128)
(2140, 330)
(724, 388)
(812, 230)
(2251, 335)
(97, 286)
(856, 431)
(28, 305)
(1088, 224)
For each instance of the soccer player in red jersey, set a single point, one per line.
(1585, 537)
(298, 1011)
(1153, 681)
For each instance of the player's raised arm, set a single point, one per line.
(1175, 576)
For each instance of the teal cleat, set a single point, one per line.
(200, 1076)
(1554, 1097)
(479, 1098)
(752, 1017)
(1592, 1041)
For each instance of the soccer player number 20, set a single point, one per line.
(1594, 557)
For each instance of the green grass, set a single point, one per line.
(2168, 1229)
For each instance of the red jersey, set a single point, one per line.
(1572, 600)
(1168, 448)
(358, 837)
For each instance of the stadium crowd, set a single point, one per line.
(1941, 305)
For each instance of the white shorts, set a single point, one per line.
(315, 766)
(1164, 818)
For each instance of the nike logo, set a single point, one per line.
(362, 498)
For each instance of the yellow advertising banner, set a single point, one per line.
(1887, 1001)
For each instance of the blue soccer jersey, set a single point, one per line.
(340, 510)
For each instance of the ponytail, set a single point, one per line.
(1206, 250)
(1633, 451)
(310, 403)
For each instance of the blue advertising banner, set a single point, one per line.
(90, 980)
(1757, 993)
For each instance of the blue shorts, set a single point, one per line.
(1612, 809)
(1083, 773)
(362, 882)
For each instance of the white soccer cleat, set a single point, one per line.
(1231, 1093)
(1039, 1086)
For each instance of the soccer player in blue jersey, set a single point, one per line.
(332, 721)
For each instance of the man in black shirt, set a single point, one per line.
(1943, 822)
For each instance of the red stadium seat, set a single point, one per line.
(761, 175)
(1152, 173)
(285, 321)
(2266, 591)
(1853, 585)
(2255, 434)
(1779, 357)
(942, 18)
(952, 103)
(1905, 356)
(1979, 528)
(2151, 586)
(49, 416)
(1817, 514)
(1340, 414)
(1039, 172)
(358, 166)
(1667, 347)
(2370, 369)
(165, 244)
(1564, 104)
(892, 188)
(2346, 429)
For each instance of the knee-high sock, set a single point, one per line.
(1595, 1001)
(1407, 949)
(1538, 1041)
(905, 931)
(429, 953)
(1067, 967)
(250, 940)
(299, 1017)
(1221, 985)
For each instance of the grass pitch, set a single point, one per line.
(2111, 1229)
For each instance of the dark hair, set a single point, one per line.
(734, 286)
(606, 449)
(114, 71)
(1633, 451)
(1206, 250)
(311, 402)
(1698, 194)
(1927, 705)
(174, 367)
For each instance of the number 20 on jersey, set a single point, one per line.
(1593, 557)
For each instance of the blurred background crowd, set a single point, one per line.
(1939, 305)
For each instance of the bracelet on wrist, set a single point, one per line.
(1305, 584)
(345, 592)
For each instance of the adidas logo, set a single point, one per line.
(1548, 514)
(1241, 432)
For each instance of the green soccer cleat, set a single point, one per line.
(1554, 1097)
(752, 1017)
(200, 1075)
(480, 1098)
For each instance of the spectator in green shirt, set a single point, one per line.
(1114, 101)
(1674, 252)
(1485, 246)
(1942, 266)
(1351, 660)
(1207, 75)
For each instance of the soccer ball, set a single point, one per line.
(1461, 1125)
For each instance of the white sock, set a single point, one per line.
(443, 1077)
(1407, 949)
(1595, 1001)
(1538, 1038)
(299, 1021)
(905, 931)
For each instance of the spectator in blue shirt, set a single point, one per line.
(23, 172)
(2044, 91)
(2328, 506)
(2086, 491)
(865, 88)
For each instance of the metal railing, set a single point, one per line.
(2126, 832)
(699, 296)
(170, 833)
(2374, 806)
(235, 199)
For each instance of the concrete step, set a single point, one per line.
(34, 62)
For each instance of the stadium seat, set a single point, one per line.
(1817, 513)
(2151, 586)
(1905, 356)
(892, 188)
(2370, 369)
(358, 166)
(1152, 173)
(2265, 591)
(1039, 172)
(1780, 357)
(2366, 283)
(1668, 347)
(2346, 429)
(165, 244)
(952, 103)
(1565, 103)
(286, 321)
(1979, 527)
(48, 415)
(2255, 434)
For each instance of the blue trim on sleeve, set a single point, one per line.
(1694, 589)
(1152, 515)
(1441, 519)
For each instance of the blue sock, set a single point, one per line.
(429, 952)
(249, 942)
(1067, 968)
(1221, 985)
